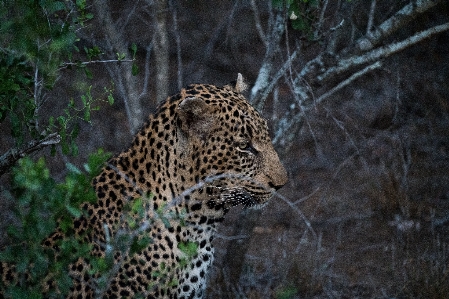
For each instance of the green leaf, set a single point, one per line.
(53, 6)
(65, 224)
(110, 99)
(75, 131)
(137, 206)
(134, 49)
(87, 114)
(287, 293)
(88, 73)
(84, 100)
(72, 168)
(135, 69)
(74, 150)
(173, 283)
(53, 150)
(62, 120)
(278, 4)
(75, 212)
(139, 244)
(188, 248)
(81, 4)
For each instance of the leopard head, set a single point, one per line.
(231, 157)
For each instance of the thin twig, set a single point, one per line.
(304, 198)
(230, 238)
(321, 19)
(37, 92)
(370, 24)
(66, 64)
(299, 212)
(129, 16)
(348, 81)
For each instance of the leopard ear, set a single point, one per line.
(240, 85)
(196, 117)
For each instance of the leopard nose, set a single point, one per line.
(276, 187)
(275, 171)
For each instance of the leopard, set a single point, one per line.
(202, 152)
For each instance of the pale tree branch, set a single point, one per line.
(321, 19)
(385, 51)
(37, 96)
(258, 23)
(161, 50)
(118, 80)
(372, 11)
(292, 117)
(146, 79)
(273, 81)
(8, 159)
(398, 20)
(265, 72)
(130, 15)
(348, 81)
(66, 64)
(174, 13)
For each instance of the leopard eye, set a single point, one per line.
(243, 145)
(246, 146)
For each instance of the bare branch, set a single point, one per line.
(348, 63)
(299, 212)
(131, 14)
(321, 19)
(293, 117)
(37, 93)
(178, 41)
(115, 74)
(230, 238)
(273, 81)
(264, 77)
(259, 28)
(146, 79)
(348, 81)
(8, 159)
(66, 64)
(304, 198)
(161, 50)
(370, 24)
(398, 20)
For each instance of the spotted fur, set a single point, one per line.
(204, 150)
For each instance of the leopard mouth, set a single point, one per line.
(232, 197)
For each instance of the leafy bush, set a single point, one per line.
(38, 41)
(42, 205)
